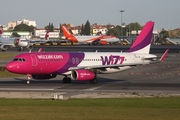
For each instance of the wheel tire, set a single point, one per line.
(66, 80)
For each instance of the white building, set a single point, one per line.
(3, 27)
(41, 33)
(13, 24)
(26, 35)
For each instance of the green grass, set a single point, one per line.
(90, 109)
(7, 55)
(8, 74)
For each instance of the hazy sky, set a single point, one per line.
(165, 13)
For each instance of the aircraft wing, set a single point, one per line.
(37, 41)
(7, 44)
(107, 66)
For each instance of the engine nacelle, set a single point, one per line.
(45, 76)
(83, 75)
(4, 47)
(103, 42)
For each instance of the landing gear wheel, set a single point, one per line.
(94, 81)
(28, 82)
(66, 80)
(28, 78)
(20, 49)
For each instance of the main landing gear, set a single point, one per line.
(66, 79)
(20, 49)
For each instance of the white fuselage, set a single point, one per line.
(111, 58)
(7, 41)
(23, 43)
(90, 39)
(13, 42)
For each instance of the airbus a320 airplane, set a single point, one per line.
(95, 40)
(84, 66)
(5, 43)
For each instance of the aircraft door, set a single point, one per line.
(34, 60)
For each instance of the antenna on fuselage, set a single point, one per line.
(96, 51)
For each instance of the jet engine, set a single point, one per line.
(44, 76)
(83, 75)
(103, 42)
(4, 47)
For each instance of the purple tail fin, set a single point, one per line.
(143, 41)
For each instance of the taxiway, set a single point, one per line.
(148, 80)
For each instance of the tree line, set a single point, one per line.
(86, 29)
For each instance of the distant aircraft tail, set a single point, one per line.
(1, 33)
(68, 34)
(47, 35)
(143, 42)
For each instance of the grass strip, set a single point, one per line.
(100, 109)
(8, 74)
(4, 55)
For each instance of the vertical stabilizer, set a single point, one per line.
(47, 35)
(1, 33)
(68, 35)
(143, 42)
(66, 32)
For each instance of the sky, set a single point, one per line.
(165, 13)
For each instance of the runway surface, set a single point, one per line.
(154, 79)
(101, 48)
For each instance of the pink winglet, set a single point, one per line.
(164, 55)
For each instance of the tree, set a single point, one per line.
(24, 27)
(114, 31)
(164, 34)
(82, 30)
(50, 27)
(60, 29)
(87, 28)
(127, 29)
(133, 27)
(15, 34)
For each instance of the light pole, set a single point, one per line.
(121, 20)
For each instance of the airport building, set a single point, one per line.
(41, 32)
(13, 24)
(23, 34)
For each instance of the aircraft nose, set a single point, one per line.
(12, 68)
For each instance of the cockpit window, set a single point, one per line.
(15, 59)
(19, 59)
(24, 40)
